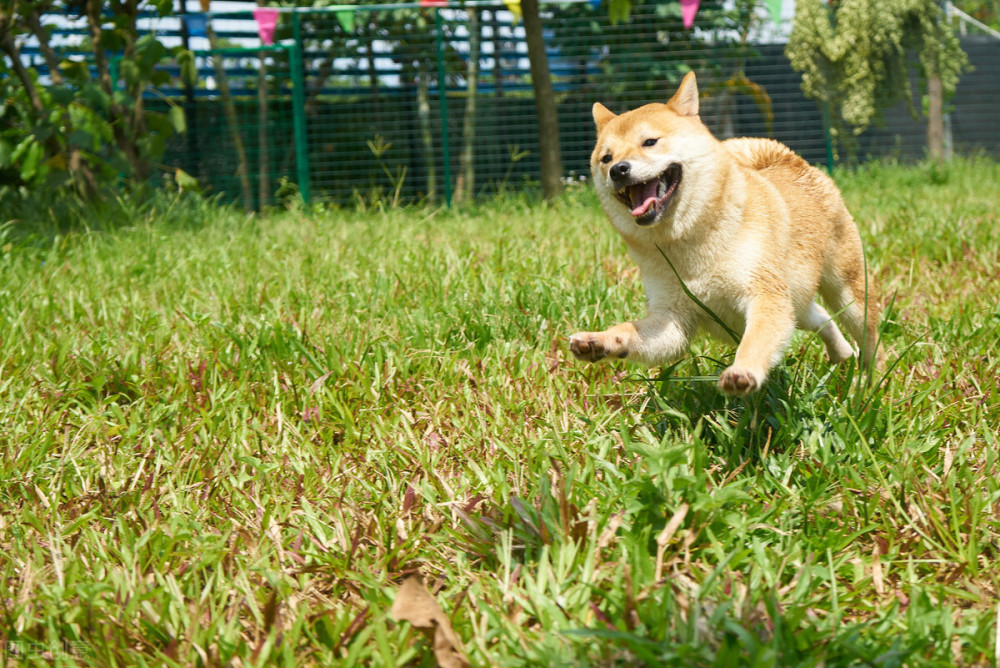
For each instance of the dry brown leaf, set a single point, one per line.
(672, 525)
(318, 383)
(414, 604)
(609, 532)
(877, 577)
(668, 532)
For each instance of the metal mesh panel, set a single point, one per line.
(975, 109)
(746, 89)
(386, 113)
(240, 115)
(372, 104)
(375, 112)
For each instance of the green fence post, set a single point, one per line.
(443, 99)
(299, 110)
(829, 138)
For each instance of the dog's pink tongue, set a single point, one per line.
(642, 195)
(642, 208)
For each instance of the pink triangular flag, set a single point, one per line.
(267, 21)
(688, 9)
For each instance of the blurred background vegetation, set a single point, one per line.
(389, 104)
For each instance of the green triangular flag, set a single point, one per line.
(774, 8)
(346, 19)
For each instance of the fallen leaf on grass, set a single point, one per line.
(611, 530)
(318, 383)
(877, 578)
(664, 538)
(416, 605)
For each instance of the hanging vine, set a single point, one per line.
(853, 55)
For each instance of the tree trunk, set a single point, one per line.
(229, 108)
(426, 134)
(935, 118)
(35, 23)
(499, 106)
(322, 74)
(545, 101)
(465, 184)
(727, 128)
(100, 57)
(9, 47)
(193, 154)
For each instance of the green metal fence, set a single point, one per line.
(403, 103)
(246, 127)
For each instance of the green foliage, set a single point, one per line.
(633, 52)
(228, 439)
(83, 131)
(26, 137)
(853, 54)
(646, 51)
(987, 11)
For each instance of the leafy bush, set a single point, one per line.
(84, 126)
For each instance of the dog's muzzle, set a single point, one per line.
(648, 199)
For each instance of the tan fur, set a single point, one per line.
(754, 231)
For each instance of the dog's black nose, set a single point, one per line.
(620, 170)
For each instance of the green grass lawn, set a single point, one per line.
(229, 440)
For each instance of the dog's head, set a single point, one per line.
(644, 157)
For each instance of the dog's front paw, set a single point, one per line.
(595, 346)
(737, 381)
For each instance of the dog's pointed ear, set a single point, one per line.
(685, 100)
(602, 115)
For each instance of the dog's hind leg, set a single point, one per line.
(816, 319)
(855, 302)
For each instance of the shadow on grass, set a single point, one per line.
(802, 396)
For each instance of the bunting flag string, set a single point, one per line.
(688, 9)
(267, 17)
(267, 21)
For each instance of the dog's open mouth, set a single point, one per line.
(649, 199)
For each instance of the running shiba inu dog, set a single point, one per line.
(752, 229)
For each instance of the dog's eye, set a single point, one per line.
(650, 142)
(606, 159)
